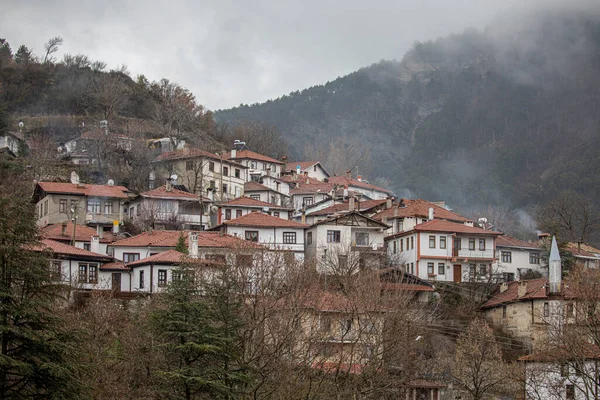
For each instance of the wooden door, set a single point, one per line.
(457, 273)
(116, 281)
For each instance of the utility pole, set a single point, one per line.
(74, 219)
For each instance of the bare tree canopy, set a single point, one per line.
(51, 47)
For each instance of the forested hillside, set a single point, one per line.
(505, 116)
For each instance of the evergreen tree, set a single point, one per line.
(181, 246)
(38, 354)
(195, 347)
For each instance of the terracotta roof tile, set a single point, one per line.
(582, 250)
(114, 266)
(345, 181)
(507, 241)
(252, 203)
(255, 186)
(170, 238)
(68, 250)
(291, 166)
(82, 233)
(419, 208)
(85, 189)
(173, 194)
(536, 289)
(292, 179)
(361, 206)
(166, 257)
(440, 225)
(259, 219)
(243, 154)
(192, 153)
(313, 187)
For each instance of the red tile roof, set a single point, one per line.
(166, 257)
(68, 250)
(359, 215)
(291, 166)
(82, 233)
(419, 208)
(84, 189)
(439, 225)
(406, 287)
(345, 181)
(507, 241)
(259, 219)
(243, 154)
(252, 203)
(582, 250)
(291, 179)
(562, 353)
(114, 266)
(328, 302)
(255, 186)
(313, 187)
(173, 194)
(192, 153)
(170, 238)
(360, 206)
(536, 289)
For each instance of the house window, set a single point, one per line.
(401, 245)
(62, 205)
(430, 268)
(237, 173)
(471, 243)
(534, 258)
(324, 323)
(130, 257)
(564, 370)
(289, 237)
(225, 171)
(189, 165)
(225, 188)
(227, 214)
(506, 257)
(481, 244)
(412, 242)
(46, 207)
(570, 392)
(503, 311)
(308, 238)
(307, 201)
(56, 270)
(394, 247)
(217, 258)
(131, 212)
(400, 225)
(570, 310)
(108, 207)
(546, 310)
(93, 273)
(87, 246)
(162, 277)
(238, 213)
(211, 166)
(472, 270)
(255, 197)
(138, 210)
(482, 269)
(333, 236)
(93, 206)
(141, 285)
(441, 269)
(88, 273)
(342, 262)
(442, 242)
(345, 327)
(362, 238)
(252, 236)
(276, 214)
(432, 242)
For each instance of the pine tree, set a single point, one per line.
(181, 246)
(38, 354)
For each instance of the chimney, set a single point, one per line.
(430, 213)
(63, 229)
(268, 171)
(186, 149)
(303, 217)
(74, 178)
(193, 245)
(298, 169)
(555, 268)
(359, 178)
(345, 191)
(503, 287)
(388, 203)
(349, 174)
(169, 185)
(384, 220)
(306, 179)
(95, 244)
(521, 289)
(395, 212)
(99, 231)
(233, 153)
(351, 204)
(115, 227)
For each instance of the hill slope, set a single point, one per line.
(505, 116)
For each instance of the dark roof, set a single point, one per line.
(536, 289)
(438, 225)
(82, 233)
(173, 194)
(84, 189)
(507, 241)
(249, 202)
(259, 219)
(360, 206)
(419, 208)
(170, 238)
(352, 213)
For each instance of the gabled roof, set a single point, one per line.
(192, 153)
(563, 353)
(360, 206)
(251, 203)
(249, 154)
(114, 266)
(345, 181)
(166, 257)
(582, 250)
(82, 233)
(84, 189)
(68, 250)
(170, 238)
(536, 289)
(262, 220)
(295, 179)
(304, 165)
(352, 214)
(255, 186)
(311, 188)
(419, 208)
(507, 241)
(173, 194)
(439, 225)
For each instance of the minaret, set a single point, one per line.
(554, 268)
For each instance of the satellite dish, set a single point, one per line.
(21, 124)
(59, 149)
(174, 177)
(266, 209)
(111, 182)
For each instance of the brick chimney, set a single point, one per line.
(521, 289)
(168, 185)
(233, 153)
(193, 245)
(63, 229)
(388, 203)
(430, 213)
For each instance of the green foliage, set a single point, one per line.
(181, 246)
(38, 352)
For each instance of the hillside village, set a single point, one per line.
(265, 217)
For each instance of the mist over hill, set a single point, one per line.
(505, 116)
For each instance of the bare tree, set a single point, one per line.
(51, 47)
(109, 94)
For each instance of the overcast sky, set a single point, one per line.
(232, 52)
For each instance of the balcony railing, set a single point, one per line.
(374, 247)
(462, 253)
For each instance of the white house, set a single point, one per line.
(258, 191)
(444, 250)
(169, 207)
(244, 205)
(516, 259)
(367, 207)
(277, 233)
(258, 165)
(346, 243)
(313, 169)
(94, 240)
(360, 185)
(307, 195)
